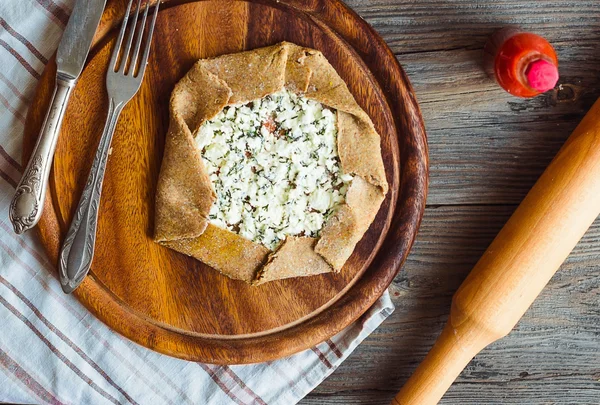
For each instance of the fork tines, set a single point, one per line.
(125, 61)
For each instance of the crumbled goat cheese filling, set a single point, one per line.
(274, 166)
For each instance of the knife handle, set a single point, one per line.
(26, 206)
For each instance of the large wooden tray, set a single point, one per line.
(172, 303)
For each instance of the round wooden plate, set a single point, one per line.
(170, 302)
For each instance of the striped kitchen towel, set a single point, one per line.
(52, 350)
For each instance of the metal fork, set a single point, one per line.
(123, 80)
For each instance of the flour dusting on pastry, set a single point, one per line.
(275, 168)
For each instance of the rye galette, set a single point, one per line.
(271, 169)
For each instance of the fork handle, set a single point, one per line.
(26, 206)
(77, 251)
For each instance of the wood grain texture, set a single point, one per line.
(518, 264)
(173, 303)
(551, 357)
(486, 151)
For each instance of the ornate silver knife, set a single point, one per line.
(26, 206)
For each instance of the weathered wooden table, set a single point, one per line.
(486, 150)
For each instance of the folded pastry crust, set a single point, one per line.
(185, 193)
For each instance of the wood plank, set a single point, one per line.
(485, 145)
(553, 356)
(418, 26)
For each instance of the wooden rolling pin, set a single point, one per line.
(533, 244)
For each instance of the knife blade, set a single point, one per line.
(26, 207)
(77, 37)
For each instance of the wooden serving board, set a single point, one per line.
(173, 303)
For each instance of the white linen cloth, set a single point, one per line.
(52, 350)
